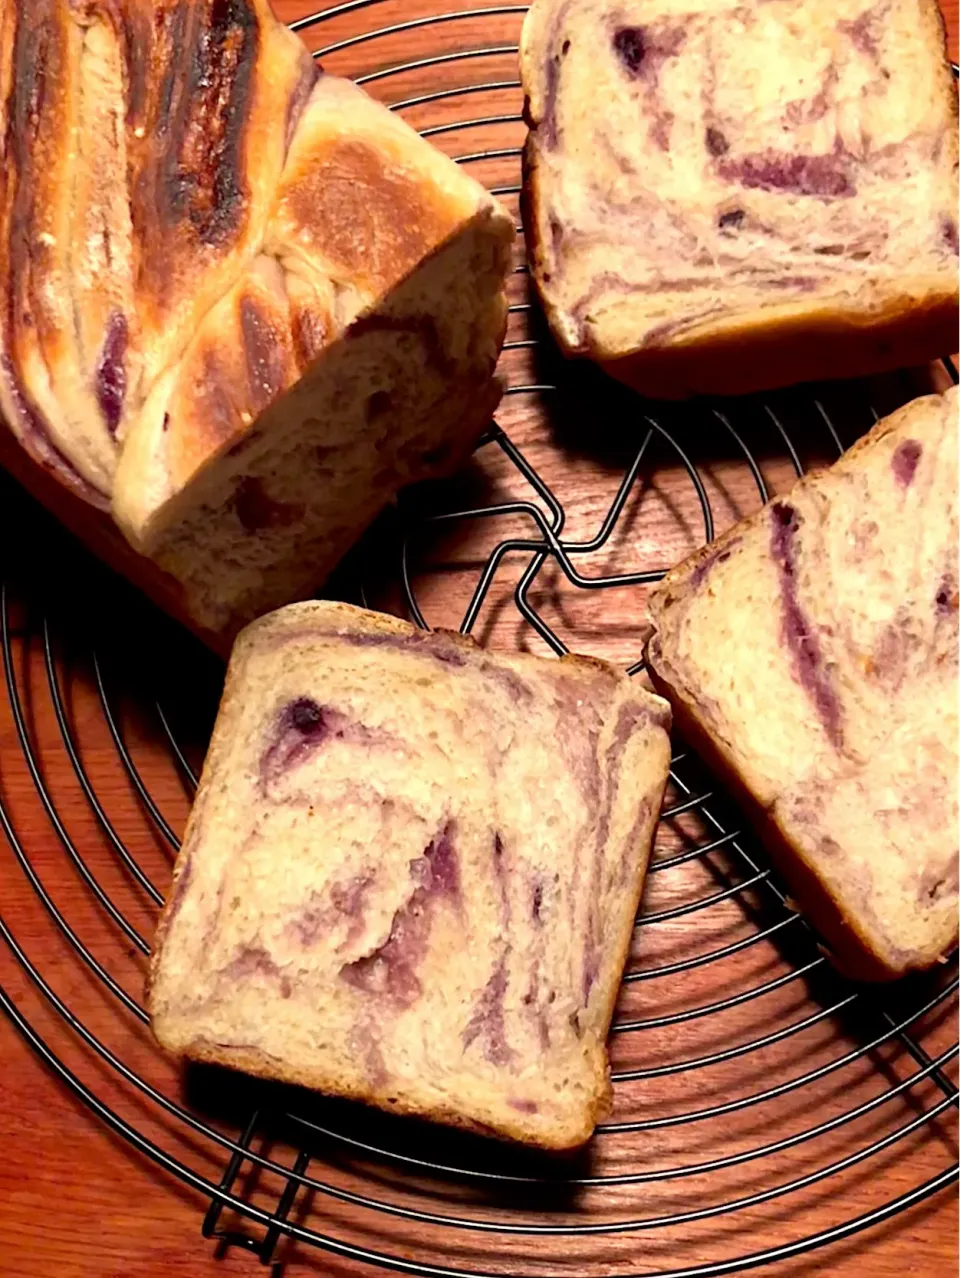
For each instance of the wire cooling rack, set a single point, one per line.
(755, 1090)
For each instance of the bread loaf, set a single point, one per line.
(242, 304)
(811, 654)
(411, 873)
(722, 197)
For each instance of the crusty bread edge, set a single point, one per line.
(847, 944)
(249, 1060)
(620, 945)
(768, 348)
(230, 704)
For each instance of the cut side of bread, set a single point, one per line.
(412, 871)
(811, 654)
(722, 198)
(241, 303)
(356, 355)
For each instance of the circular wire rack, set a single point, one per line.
(757, 1093)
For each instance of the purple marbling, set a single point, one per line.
(861, 32)
(309, 75)
(796, 632)
(716, 142)
(444, 865)
(436, 644)
(251, 960)
(256, 510)
(349, 896)
(516, 688)
(732, 218)
(346, 900)
(628, 42)
(302, 728)
(500, 878)
(820, 175)
(642, 51)
(536, 903)
(946, 596)
(391, 970)
(487, 1021)
(522, 1106)
(111, 373)
(905, 460)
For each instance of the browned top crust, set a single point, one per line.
(143, 141)
(190, 212)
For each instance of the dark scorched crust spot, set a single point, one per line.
(205, 175)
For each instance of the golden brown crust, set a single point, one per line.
(765, 352)
(357, 204)
(360, 206)
(195, 234)
(260, 1065)
(144, 141)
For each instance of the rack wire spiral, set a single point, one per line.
(854, 1080)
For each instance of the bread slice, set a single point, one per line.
(241, 303)
(811, 654)
(412, 872)
(723, 197)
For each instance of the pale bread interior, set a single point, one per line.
(820, 658)
(427, 903)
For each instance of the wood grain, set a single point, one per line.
(78, 1200)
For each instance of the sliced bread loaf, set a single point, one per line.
(412, 872)
(722, 197)
(811, 654)
(241, 303)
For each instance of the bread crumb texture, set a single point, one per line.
(412, 872)
(815, 646)
(748, 163)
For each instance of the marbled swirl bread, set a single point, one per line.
(811, 653)
(241, 303)
(412, 872)
(723, 196)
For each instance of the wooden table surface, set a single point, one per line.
(76, 1199)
